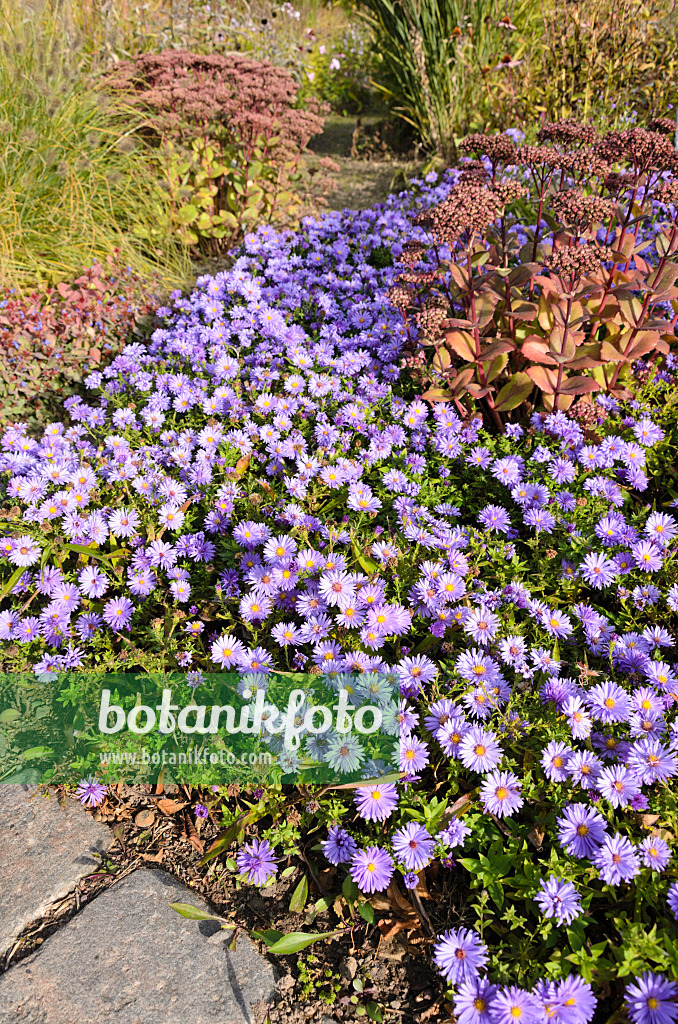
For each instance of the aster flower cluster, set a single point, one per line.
(255, 472)
(461, 957)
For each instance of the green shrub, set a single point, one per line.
(49, 340)
(227, 136)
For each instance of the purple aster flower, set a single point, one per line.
(609, 746)
(559, 899)
(201, 811)
(378, 802)
(661, 528)
(500, 793)
(194, 679)
(473, 1001)
(411, 880)
(512, 650)
(91, 791)
(227, 651)
(616, 860)
(598, 570)
(371, 869)
(577, 718)
(568, 570)
(88, 625)
(480, 751)
(460, 955)
(123, 522)
(280, 549)
(337, 588)
(557, 691)
(581, 830)
(479, 457)
(575, 1001)
(65, 597)
(672, 899)
(618, 784)
(583, 768)
(161, 554)
(24, 552)
(415, 673)
(661, 674)
(454, 834)
(93, 582)
(413, 845)
(557, 623)
(609, 702)
(651, 999)
(142, 582)
(413, 754)
(118, 613)
(495, 519)
(655, 853)
(512, 1005)
(647, 556)
(256, 860)
(481, 625)
(450, 735)
(339, 847)
(540, 519)
(651, 762)
(639, 802)
(180, 590)
(508, 470)
(30, 628)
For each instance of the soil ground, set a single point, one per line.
(362, 180)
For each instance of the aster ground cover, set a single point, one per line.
(261, 487)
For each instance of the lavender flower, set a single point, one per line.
(413, 845)
(616, 860)
(371, 869)
(91, 792)
(655, 853)
(378, 802)
(257, 862)
(500, 793)
(559, 899)
(651, 999)
(460, 955)
(581, 830)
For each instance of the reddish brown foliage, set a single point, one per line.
(184, 90)
(50, 339)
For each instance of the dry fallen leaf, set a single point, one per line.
(144, 819)
(189, 832)
(154, 858)
(397, 899)
(420, 888)
(170, 806)
(536, 837)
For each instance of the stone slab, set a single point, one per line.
(45, 850)
(128, 958)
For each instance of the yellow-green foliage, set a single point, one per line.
(453, 66)
(73, 185)
(601, 59)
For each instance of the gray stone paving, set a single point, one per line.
(128, 958)
(45, 850)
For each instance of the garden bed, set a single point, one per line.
(356, 454)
